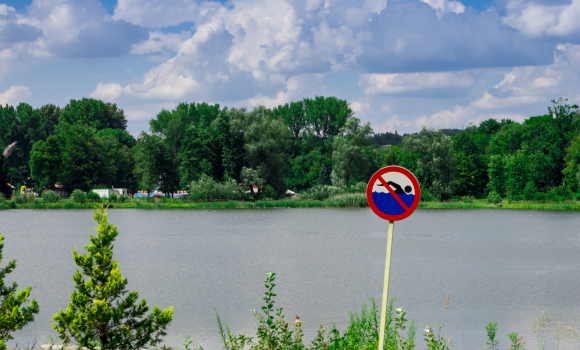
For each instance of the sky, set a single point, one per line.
(401, 64)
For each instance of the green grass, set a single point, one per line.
(342, 201)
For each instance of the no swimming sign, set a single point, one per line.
(393, 193)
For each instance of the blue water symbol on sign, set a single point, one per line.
(386, 203)
(389, 185)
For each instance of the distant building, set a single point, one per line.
(120, 191)
(103, 192)
(107, 192)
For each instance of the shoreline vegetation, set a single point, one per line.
(342, 201)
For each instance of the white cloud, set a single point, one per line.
(163, 13)
(393, 124)
(15, 95)
(530, 85)
(158, 44)
(361, 105)
(107, 92)
(296, 88)
(536, 19)
(375, 84)
(444, 7)
(4, 9)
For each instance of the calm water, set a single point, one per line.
(495, 265)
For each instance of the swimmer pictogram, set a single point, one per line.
(393, 193)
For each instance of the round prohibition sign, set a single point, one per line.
(393, 193)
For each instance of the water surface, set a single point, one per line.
(504, 266)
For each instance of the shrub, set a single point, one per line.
(467, 199)
(20, 200)
(50, 196)
(270, 192)
(102, 311)
(321, 192)
(426, 195)
(336, 180)
(2, 197)
(122, 198)
(530, 190)
(78, 196)
(113, 197)
(13, 314)
(494, 197)
(93, 197)
(206, 188)
(358, 187)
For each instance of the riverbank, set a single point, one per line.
(343, 201)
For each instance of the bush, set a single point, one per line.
(50, 196)
(13, 314)
(494, 197)
(78, 196)
(321, 192)
(20, 200)
(270, 192)
(530, 190)
(358, 187)
(426, 195)
(2, 197)
(206, 188)
(113, 197)
(101, 310)
(122, 198)
(467, 199)
(93, 197)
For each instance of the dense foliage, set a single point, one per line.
(302, 146)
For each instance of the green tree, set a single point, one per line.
(14, 315)
(436, 162)
(264, 142)
(572, 170)
(79, 159)
(471, 165)
(349, 156)
(496, 173)
(101, 310)
(153, 163)
(93, 113)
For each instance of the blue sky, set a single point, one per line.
(402, 64)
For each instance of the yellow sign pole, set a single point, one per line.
(386, 286)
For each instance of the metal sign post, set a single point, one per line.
(386, 285)
(393, 194)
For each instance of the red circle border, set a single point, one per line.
(407, 173)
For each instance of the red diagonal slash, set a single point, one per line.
(388, 187)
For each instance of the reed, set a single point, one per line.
(356, 200)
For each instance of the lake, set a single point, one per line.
(504, 266)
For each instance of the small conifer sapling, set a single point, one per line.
(13, 315)
(102, 312)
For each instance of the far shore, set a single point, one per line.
(343, 201)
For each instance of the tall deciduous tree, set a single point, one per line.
(264, 141)
(349, 156)
(102, 311)
(79, 159)
(153, 164)
(436, 163)
(93, 113)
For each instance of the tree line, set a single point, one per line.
(297, 146)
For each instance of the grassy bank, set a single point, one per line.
(343, 201)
